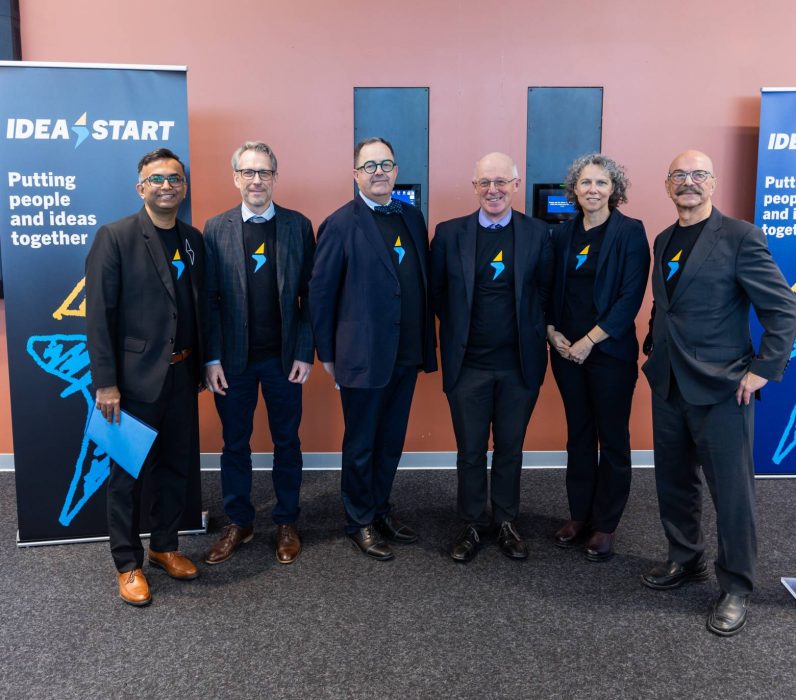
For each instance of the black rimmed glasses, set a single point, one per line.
(678, 177)
(500, 183)
(248, 174)
(159, 180)
(371, 166)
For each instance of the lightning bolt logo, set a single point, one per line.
(582, 257)
(399, 250)
(674, 265)
(80, 130)
(259, 257)
(497, 263)
(178, 263)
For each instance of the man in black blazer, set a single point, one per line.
(258, 335)
(374, 331)
(491, 273)
(703, 369)
(144, 276)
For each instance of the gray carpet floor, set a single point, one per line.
(337, 625)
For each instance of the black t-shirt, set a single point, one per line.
(407, 264)
(676, 254)
(265, 316)
(493, 342)
(579, 313)
(180, 268)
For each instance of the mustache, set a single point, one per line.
(689, 190)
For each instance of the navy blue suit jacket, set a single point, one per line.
(453, 282)
(355, 296)
(621, 279)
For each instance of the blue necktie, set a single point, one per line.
(496, 227)
(394, 207)
(257, 219)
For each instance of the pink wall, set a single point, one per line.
(675, 76)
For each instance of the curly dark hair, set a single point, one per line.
(615, 171)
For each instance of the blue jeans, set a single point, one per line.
(236, 410)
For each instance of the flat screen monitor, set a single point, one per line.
(410, 194)
(550, 203)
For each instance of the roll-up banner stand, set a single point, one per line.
(775, 213)
(72, 136)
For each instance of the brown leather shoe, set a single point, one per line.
(174, 564)
(571, 534)
(600, 546)
(133, 587)
(232, 537)
(288, 544)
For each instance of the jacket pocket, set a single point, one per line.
(134, 344)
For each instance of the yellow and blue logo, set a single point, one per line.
(497, 263)
(674, 265)
(399, 250)
(178, 263)
(259, 257)
(582, 256)
(80, 129)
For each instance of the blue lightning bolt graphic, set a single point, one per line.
(259, 257)
(581, 259)
(82, 134)
(499, 267)
(179, 264)
(673, 268)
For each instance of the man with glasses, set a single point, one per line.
(704, 372)
(144, 276)
(258, 336)
(374, 332)
(491, 274)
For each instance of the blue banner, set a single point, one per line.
(72, 136)
(775, 213)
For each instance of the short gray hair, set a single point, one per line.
(258, 146)
(615, 171)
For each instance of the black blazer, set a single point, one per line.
(355, 296)
(131, 305)
(619, 285)
(453, 280)
(702, 333)
(226, 289)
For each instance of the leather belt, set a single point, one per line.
(179, 356)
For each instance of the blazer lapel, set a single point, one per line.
(522, 254)
(612, 232)
(704, 244)
(364, 221)
(284, 239)
(467, 244)
(658, 287)
(421, 246)
(156, 252)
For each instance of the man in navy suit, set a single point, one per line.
(258, 336)
(704, 372)
(491, 273)
(374, 332)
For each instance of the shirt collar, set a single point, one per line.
(247, 213)
(371, 204)
(486, 222)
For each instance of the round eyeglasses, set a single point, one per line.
(678, 177)
(371, 166)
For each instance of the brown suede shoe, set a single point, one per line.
(571, 534)
(133, 587)
(288, 544)
(232, 537)
(174, 564)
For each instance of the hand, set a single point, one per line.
(750, 383)
(109, 402)
(299, 372)
(580, 350)
(215, 380)
(558, 342)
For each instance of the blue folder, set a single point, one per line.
(127, 442)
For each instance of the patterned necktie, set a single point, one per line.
(257, 219)
(394, 207)
(496, 227)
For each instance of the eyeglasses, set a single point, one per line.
(387, 166)
(678, 177)
(500, 183)
(158, 180)
(248, 174)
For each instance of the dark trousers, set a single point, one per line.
(175, 452)
(375, 429)
(597, 396)
(480, 400)
(236, 410)
(719, 437)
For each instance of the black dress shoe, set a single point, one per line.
(600, 546)
(394, 530)
(370, 543)
(728, 615)
(670, 574)
(510, 542)
(571, 534)
(466, 545)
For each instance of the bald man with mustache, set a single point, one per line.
(704, 372)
